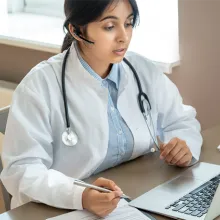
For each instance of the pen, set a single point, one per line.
(81, 183)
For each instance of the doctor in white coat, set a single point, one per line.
(104, 113)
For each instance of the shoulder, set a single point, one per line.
(43, 75)
(144, 66)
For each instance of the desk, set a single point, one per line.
(130, 177)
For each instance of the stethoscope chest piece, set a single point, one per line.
(69, 138)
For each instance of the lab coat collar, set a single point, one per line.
(83, 78)
(114, 74)
(126, 74)
(76, 73)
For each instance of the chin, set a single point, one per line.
(117, 60)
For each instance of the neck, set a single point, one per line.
(100, 67)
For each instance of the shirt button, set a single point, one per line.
(105, 83)
(112, 108)
(120, 132)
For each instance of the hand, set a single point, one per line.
(176, 152)
(101, 203)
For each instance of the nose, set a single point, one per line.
(123, 35)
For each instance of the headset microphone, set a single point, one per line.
(88, 41)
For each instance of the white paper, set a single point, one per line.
(122, 212)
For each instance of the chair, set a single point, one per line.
(3, 118)
(3, 121)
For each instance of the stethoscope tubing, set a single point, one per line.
(141, 98)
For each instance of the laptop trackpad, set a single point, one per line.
(181, 185)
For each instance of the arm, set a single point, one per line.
(28, 156)
(176, 120)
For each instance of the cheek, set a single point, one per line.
(105, 40)
(104, 44)
(130, 33)
(103, 49)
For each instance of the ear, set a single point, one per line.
(72, 32)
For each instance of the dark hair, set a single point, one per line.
(80, 13)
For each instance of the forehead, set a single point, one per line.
(118, 8)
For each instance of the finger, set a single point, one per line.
(168, 148)
(162, 145)
(178, 157)
(108, 197)
(185, 161)
(115, 201)
(173, 153)
(110, 207)
(185, 164)
(102, 182)
(106, 212)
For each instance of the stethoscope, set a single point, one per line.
(70, 138)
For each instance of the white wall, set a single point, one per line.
(198, 76)
(3, 15)
(157, 35)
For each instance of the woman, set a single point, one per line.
(103, 112)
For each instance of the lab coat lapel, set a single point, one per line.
(128, 106)
(87, 101)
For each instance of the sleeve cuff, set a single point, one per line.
(193, 161)
(77, 199)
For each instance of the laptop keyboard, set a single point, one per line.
(197, 202)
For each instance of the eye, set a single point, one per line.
(109, 28)
(128, 24)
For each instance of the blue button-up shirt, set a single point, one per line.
(121, 142)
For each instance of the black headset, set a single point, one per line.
(78, 35)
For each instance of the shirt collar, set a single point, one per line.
(113, 76)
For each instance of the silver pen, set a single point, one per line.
(81, 183)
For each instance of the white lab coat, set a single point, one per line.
(39, 167)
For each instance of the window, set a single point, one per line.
(3, 16)
(33, 24)
(157, 35)
(155, 38)
(44, 7)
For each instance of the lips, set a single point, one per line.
(120, 52)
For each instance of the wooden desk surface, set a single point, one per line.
(135, 178)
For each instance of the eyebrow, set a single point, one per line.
(114, 17)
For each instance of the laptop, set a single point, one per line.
(195, 194)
